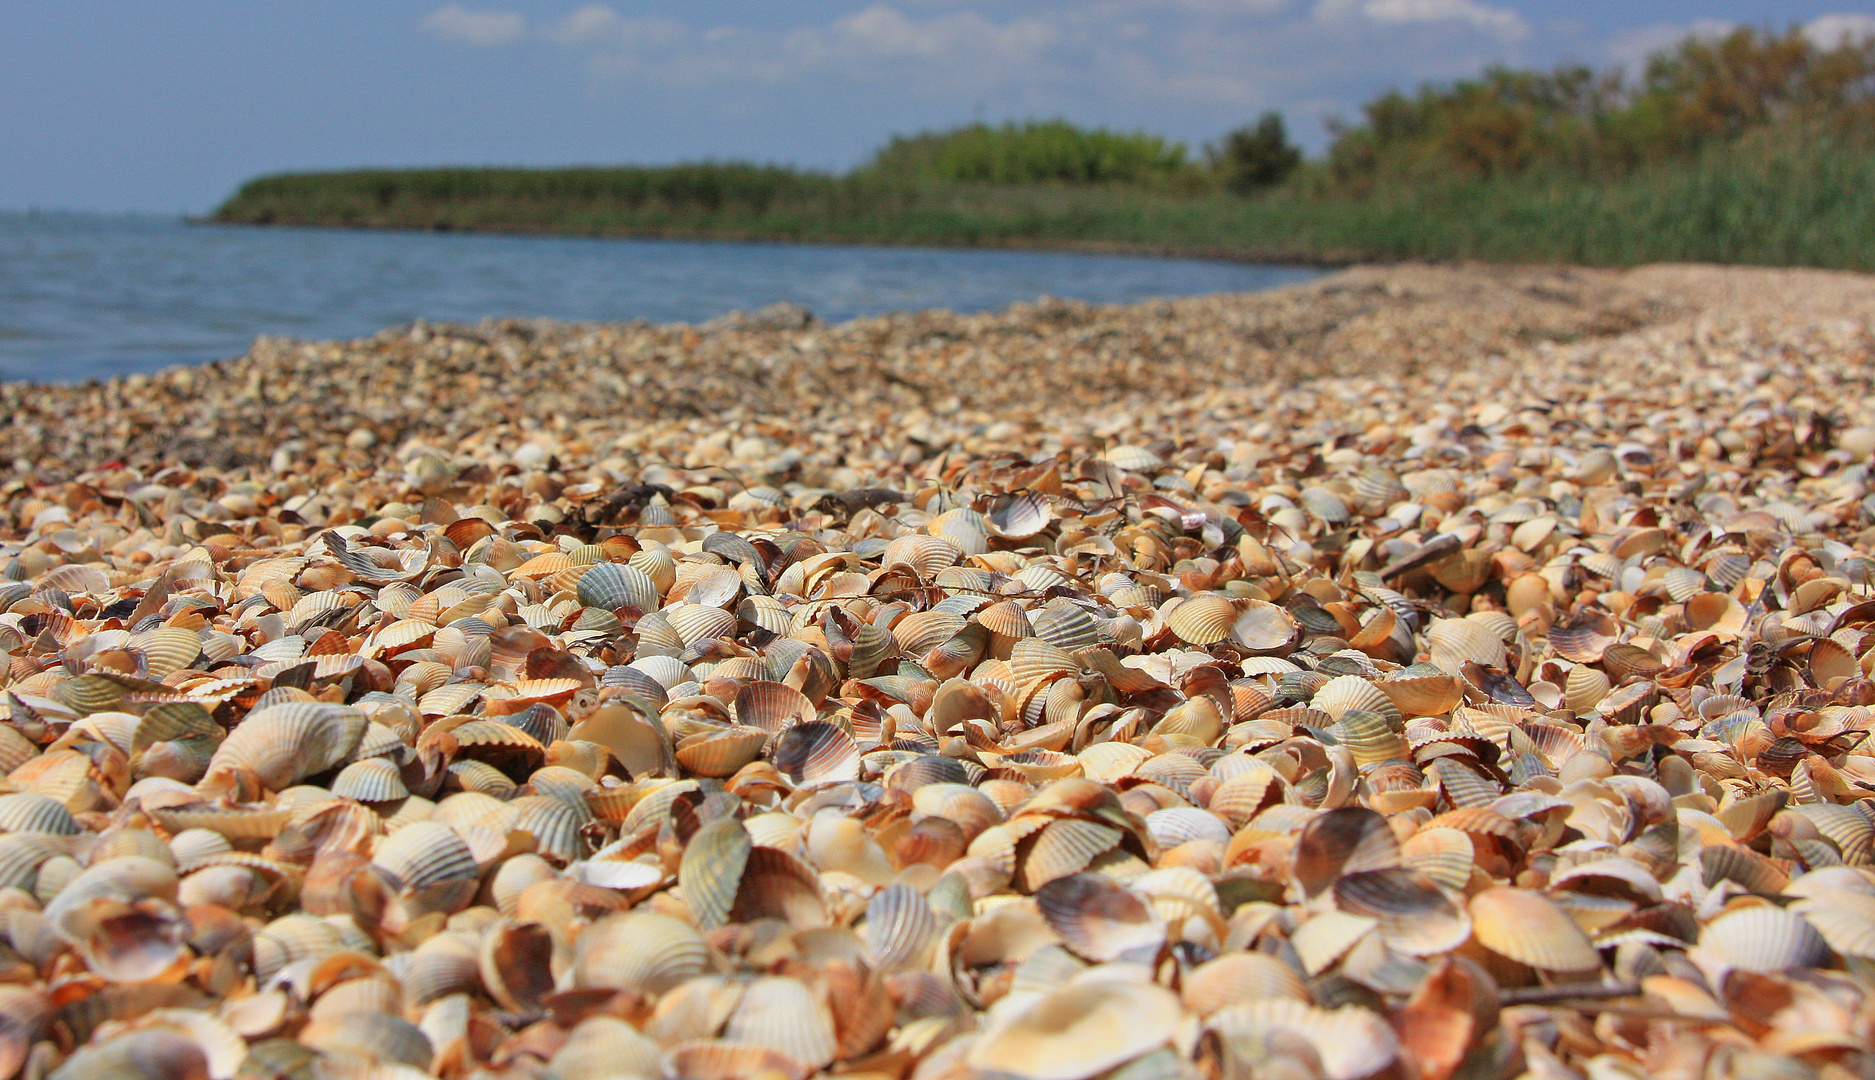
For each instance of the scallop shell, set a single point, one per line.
(816, 753)
(900, 927)
(1349, 1043)
(427, 855)
(1763, 938)
(638, 951)
(1235, 978)
(783, 1015)
(613, 586)
(1079, 1030)
(1204, 619)
(1530, 929)
(711, 871)
(1410, 911)
(283, 744)
(370, 780)
(25, 812)
(1353, 692)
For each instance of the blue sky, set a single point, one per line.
(131, 105)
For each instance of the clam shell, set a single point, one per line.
(1235, 978)
(29, 813)
(613, 586)
(605, 1046)
(1410, 911)
(1763, 938)
(1077, 1031)
(900, 927)
(283, 744)
(1204, 619)
(370, 780)
(638, 951)
(772, 706)
(1349, 1043)
(1530, 929)
(1350, 692)
(425, 855)
(783, 1015)
(1065, 847)
(1099, 919)
(816, 753)
(711, 871)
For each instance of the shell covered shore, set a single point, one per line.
(1424, 673)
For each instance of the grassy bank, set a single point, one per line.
(1781, 202)
(1754, 148)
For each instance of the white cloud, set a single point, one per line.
(482, 29)
(878, 41)
(1830, 31)
(1190, 68)
(1504, 24)
(1631, 49)
(599, 26)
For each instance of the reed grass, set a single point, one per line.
(1774, 201)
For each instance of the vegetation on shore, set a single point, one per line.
(1755, 148)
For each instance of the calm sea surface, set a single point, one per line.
(90, 295)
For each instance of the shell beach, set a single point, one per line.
(1428, 672)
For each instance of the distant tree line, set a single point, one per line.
(1578, 121)
(1757, 146)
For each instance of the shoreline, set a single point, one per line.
(597, 695)
(1271, 257)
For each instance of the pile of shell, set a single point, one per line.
(1342, 734)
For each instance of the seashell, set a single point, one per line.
(926, 555)
(155, 1054)
(613, 586)
(1444, 855)
(816, 753)
(641, 952)
(1079, 1030)
(25, 812)
(370, 780)
(430, 864)
(1530, 929)
(1067, 626)
(1350, 692)
(717, 1059)
(601, 1046)
(900, 928)
(1456, 642)
(442, 965)
(1133, 459)
(1018, 517)
(555, 825)
(772, 706)
(1347, 1043)
(1427, 695)
(1370, 738)
(711, 872)
(389, 1040)
(1065, 847)
(1235, 978)
(1177, 825)
(1411, 913)
(1100, 920)
(282, 744)
(1204, 619)
(1763, 938)
(720, 753)
(781, 1014)
(1844, 917)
